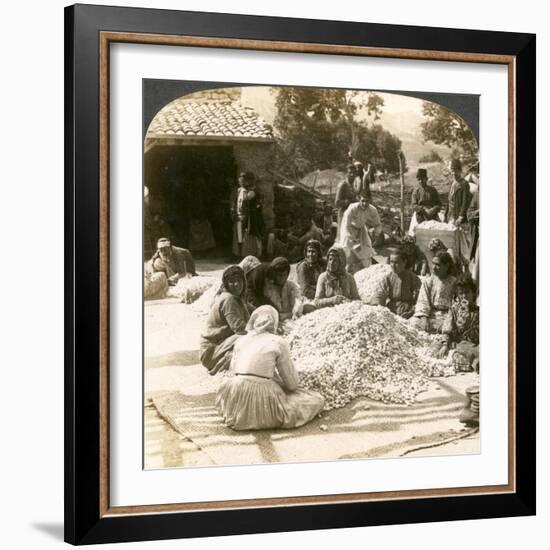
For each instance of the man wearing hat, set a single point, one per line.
(459, 196)
(425, 199)
(173, 261)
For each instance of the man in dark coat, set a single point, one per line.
(459, 196)
(425, 200)
(345, 195)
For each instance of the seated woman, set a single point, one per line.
(398, 290)
(435, 296)
(264, 392)
(309, 269)
(335, 285)
(249, 263)
(461, 325)
(437, 245)
(416, 259)
(155, 284)
(226, 321)
(268, 284)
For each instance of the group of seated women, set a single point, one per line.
(255, 297)
(241, 335)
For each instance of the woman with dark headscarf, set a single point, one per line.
(309, 269)
(437, 245)
(264, 392)
(268, 284)
(335, 285)
(226, 321)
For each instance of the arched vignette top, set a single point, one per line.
(158, 93)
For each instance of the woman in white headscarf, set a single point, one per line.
(263, 392)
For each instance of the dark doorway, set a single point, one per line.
(189, 195)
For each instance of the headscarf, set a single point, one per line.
(342, 263)
(335, 278)
(278, 265)
(249, 263)
(446, 259)
(256, 279)
(436, 244)
(314, 243)
(229, 272)
(263, 319)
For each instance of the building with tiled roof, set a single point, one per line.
(195, 147)
(184, 119)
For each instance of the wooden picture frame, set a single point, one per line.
(89, 33)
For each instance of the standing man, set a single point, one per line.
(363, 179)
(473, 219)
(358, 183)
(249, 224)
(345, 195)
(459, 196)
(425, 201)
(355, 235)
(369, 176)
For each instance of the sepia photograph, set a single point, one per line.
(310, 274)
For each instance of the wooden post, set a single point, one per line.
(402, 178)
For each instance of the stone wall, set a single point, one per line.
(256, 158)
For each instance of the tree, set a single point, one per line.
(432, 156)
(305, 123)
(387, 149)
(444, 127)
(317, 128)
(363, 103)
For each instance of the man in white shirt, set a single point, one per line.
(374, 225)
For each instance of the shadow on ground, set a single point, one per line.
(54, 530)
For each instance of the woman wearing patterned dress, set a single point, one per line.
(461, 326)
